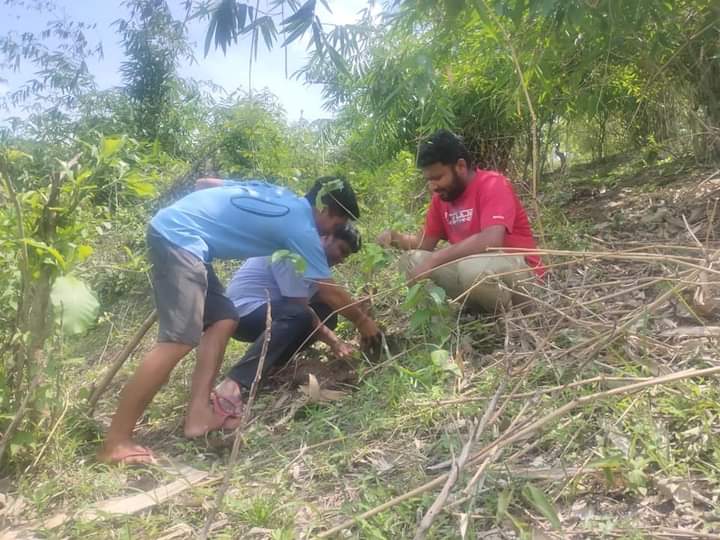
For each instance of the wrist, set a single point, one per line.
(436, 259)
(393, 238)
(366, 325)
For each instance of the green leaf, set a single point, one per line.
(84, 251)
(279, 255)
(542, 504)
(438, 295)
(43, 247)
(75, 303)
(296, 260)
(140, 187)
(413, 296)
(503, 503)
(109, 146)
(12, 155)
(442, 359)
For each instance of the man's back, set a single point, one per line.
(243, 219)
(257, 277)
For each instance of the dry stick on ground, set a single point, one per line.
(50, 435)
(243, 422)
(458, 466)
(508, 439)
(120, 359)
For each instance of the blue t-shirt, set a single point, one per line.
(241, 220)
(249, 283)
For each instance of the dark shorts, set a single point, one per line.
(188, 294)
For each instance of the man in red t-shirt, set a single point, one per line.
(473, 210)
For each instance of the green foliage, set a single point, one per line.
(74, 303)
(299, 264)
(430, 313)
(58, 213)
(542, 504)
(154, 44)
(57, 56)
(253, 140)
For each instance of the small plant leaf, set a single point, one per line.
(110, 146)
(75, 303)
(84, 251)
(442, 359)
(296, 260)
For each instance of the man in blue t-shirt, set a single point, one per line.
(223, 219)
(298, 317)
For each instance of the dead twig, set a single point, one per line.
(120, 359)
(520, 434)
(458, 466)
(239, 431)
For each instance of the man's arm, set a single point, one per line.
(324, 334)
(340, 300)
(407, 242)
(490, 237)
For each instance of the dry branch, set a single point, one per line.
(458, 466)
(120, 359)
(509, 438)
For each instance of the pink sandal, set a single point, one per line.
(227, 409)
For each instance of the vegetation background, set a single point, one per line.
(584, 104)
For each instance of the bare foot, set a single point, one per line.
(126, 453)
(223, 411)
(200, 421)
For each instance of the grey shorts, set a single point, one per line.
(188, 294)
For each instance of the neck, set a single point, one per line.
(467, 177)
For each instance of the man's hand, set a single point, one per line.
(205, 183)
(385, 238)
(370, 335)
(341, 349)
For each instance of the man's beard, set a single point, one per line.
(454, 191)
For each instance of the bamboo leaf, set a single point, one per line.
(503, 503)
(542, 504)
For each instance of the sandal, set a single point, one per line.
(227, 408)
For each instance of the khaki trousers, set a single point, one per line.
(481, 274)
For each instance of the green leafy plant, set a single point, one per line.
(299, 264)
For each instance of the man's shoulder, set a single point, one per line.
(486, 181)
(270, 190)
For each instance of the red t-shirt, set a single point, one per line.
(488, 200)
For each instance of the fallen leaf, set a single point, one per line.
(316, 394)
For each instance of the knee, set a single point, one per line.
(412, 258)
(222, 329)
(299, 317)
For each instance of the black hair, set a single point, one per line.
(340, 201)
(348, 233)
(444, 147)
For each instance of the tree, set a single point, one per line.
(154, 43)
(58, 57)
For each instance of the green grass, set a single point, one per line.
(303, 468)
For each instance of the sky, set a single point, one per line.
(229, 71)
